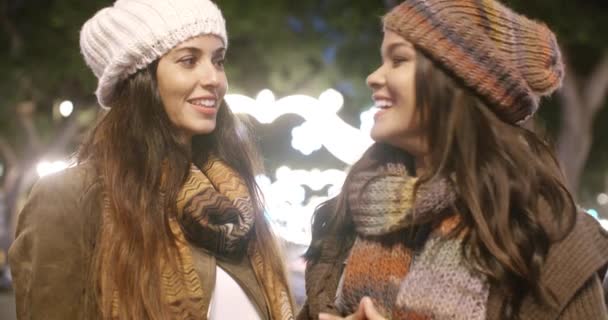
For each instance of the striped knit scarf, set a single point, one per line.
(407, 281)
(215, 212)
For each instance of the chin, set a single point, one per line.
(199, 131)
(409, 146)
(379, 136)
(204, 131)
(205, 127)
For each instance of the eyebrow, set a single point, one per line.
(393, 46)
(197, 50)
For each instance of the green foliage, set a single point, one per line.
(580, 26)
(281, 45)
(47, 66)
(50, 59)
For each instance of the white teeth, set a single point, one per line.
(383, 103)
(204, 102)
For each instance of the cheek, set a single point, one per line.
(223, 86)
(166, 84)
(170, 101)
(402, 87)
(173, 82)
(173, 89)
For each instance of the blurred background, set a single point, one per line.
(297, 70)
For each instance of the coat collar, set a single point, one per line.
(570, 263)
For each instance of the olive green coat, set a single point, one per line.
(51, 256)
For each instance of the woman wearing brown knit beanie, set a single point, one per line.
(457, 211)
(161, 218)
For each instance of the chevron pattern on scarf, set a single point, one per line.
(215, 212)
(181, 288)
(215, 209)
(277, 297)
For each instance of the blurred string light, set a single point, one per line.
(602, 199)
(287, 205)
(285, 199)
(45, 168)
(66, 108)
(304, 138)
(322, 126)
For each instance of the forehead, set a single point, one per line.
(393, 39)
(205, 42)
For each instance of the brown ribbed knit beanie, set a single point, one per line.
(507, 59)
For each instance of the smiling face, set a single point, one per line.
(393, 84)
(192, 83)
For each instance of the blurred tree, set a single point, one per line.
(579, 124)
(41, 66)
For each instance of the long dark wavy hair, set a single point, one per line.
(512, 197)
(128, 148)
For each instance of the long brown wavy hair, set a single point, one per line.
(512, 197)
(128, 147)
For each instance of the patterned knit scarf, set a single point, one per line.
(215, 212)
(430, 281)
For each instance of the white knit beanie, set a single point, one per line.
(120, 40)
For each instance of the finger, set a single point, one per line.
(359, 315)
(370, 311)
(327, 316)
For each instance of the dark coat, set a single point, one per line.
(572, 271)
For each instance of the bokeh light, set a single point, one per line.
(66, 108)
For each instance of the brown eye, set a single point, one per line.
(220, 63)
(397, 61)
(188, 61)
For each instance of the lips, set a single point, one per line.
(205, 105)
(382, 103)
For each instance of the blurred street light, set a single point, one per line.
(602, 199)
(593, 213)
(45, 168)
(66, 108)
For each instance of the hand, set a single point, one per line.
(366, 311)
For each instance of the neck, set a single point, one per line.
(185, 140)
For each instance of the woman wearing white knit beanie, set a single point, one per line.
(161, 218)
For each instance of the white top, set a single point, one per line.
(229, 301)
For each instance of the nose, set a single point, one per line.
(209, 75)
(376, 79)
